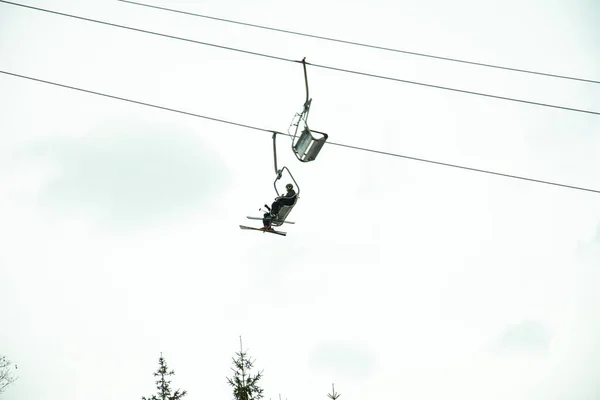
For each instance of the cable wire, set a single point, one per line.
(297, 61)
(146, 31)
(454, 90)
(361, 44)
(289, 135)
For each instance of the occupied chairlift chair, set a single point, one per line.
(285, 209)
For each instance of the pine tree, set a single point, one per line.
(333, 395)
(6, 374)
(163, 385)
(245, 386)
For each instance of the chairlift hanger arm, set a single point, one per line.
(279, 172)
(307, 101)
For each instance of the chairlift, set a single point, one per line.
(306, 146)
(285, 210)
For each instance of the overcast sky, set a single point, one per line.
(400, 279)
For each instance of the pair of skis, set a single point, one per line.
(265, 229)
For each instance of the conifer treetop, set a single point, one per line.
(6, 374)
(163, 385)
(333, 395)
(245, 385)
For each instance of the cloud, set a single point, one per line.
(342, 360)
(527, 336)
(126, 175)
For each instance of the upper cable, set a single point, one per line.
(297, 61)
(353, 43)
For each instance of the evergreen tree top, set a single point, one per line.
(245, 385)
(163, 385)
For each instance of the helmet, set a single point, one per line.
(289, 186)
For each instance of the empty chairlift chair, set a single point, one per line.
(307, 147)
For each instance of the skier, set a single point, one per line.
(287, 199)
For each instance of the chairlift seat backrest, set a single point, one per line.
(308, 146)
(282, 215)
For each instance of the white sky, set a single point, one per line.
(119, 222)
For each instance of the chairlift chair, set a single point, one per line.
(306, 146)
(285, 210)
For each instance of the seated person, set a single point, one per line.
(287, 199)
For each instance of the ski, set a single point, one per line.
(264, 230)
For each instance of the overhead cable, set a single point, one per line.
(286, 134)
(297, 61)
(349, 42)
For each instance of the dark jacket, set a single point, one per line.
(288, 199)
